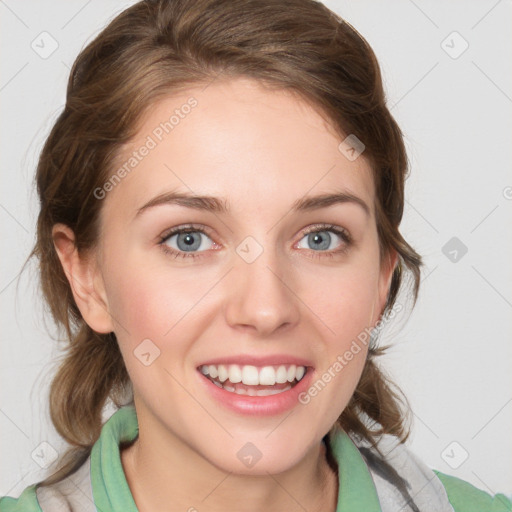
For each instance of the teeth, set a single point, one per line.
(252, 375)
(223, 373)
(291, 373)
(267, 376)
(281, 375)
(235, 374)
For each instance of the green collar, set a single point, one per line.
(356, 490)
(110, 489)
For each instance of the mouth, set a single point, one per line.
(252, 380)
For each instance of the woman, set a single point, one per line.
(219, 236)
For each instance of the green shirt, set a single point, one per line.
(357, 490)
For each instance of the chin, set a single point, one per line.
(258, 457)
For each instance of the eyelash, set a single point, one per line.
(191, 228)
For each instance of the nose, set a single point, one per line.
(261, 296)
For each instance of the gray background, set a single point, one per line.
(452, 355)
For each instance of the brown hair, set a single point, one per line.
(156, 47)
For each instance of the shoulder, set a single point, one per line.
(75, 492)
(27, 502)
(396, 469)
(72, 493)
(465, 497)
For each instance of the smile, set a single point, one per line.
(252, 380)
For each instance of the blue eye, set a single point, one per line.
(190, 241)
(186, 240)
(325, 239)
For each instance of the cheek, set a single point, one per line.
(344, 300)
(157, 311)
(136, 306)
(344, 306)
(146, 307)
(146, 301)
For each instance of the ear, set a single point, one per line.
(85, 280)
(386, 275)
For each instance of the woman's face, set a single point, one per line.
(265, 280)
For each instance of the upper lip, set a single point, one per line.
(270, 360)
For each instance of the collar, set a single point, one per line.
(356, 490)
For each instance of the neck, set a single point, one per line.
(173, 476)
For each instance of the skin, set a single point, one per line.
(261, 150)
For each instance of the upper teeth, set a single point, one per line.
(254, 376)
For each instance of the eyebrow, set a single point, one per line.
(219, 205)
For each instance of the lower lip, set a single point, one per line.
(259, 405)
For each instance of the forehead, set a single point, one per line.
(239, 140)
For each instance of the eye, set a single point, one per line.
(326, 238)
(186, 241)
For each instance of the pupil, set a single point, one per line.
(189, 241)
(320, 240)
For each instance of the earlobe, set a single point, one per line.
(84, 279)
